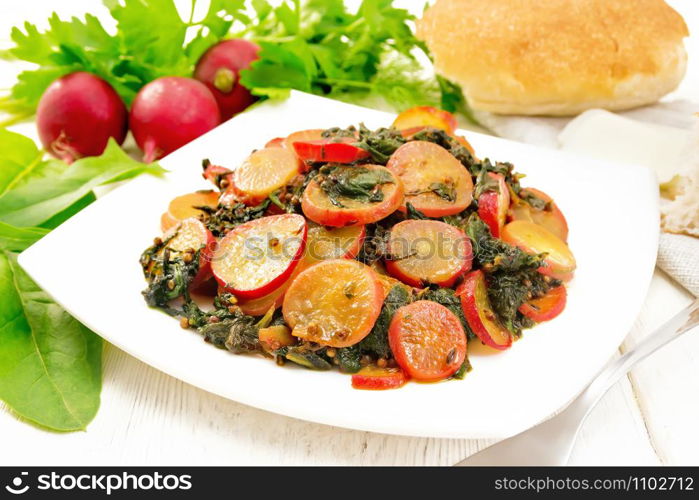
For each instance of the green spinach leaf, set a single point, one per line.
(51, 187)
(16, 239)
(50, 364)
(19, 158)
(376, 343)
(354, 182)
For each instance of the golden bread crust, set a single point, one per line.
(557, 57)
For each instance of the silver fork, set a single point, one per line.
(550, 442)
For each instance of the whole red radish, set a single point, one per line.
(219, 68)
(77, 115)
(170, 112)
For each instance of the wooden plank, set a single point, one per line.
(148, 417)
(666, 385)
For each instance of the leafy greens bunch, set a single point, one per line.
(50, 364)
(317, 46)
(321, 47)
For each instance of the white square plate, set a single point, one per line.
(90, 266)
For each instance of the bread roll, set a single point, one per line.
(557, 57)
(681, 215)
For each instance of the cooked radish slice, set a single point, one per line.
(185, 206)
(534, 239)
(260, 305)
(428, 252)
(333, 303)
(547, 307)
(377, 379)
(215, 173)
(435, 182)
(427, 340)
(550, 217)
(426, 116)
(277, 142)
(263, 172)
(519, 211)
(479, 313)
(321, 244)
(493, 205)
(330, 150)
(314, 134)
(319, 207)
(462, 140)
(257, 257)
(388, 282)
(167, 221)
(276, 337)
(192, 235)
(334, 243)
(408, 133)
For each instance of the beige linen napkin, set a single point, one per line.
(657, 136)
(678, 255)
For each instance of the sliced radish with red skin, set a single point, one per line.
(321, 244)
(426, 116)
(277, 142)
(535, 239)
(334, 303)
(330, 150)
(408, 133)
(185, 206)
(318, 207)
(275, 298)
(550, 218)
(388, 282)
(314, 134)
(464, 142)
(549, 271)
(192, 234)
(424, 252)
(377, 379)
(427, 340)
(479, 314)
(334, 243)
(275, 337)
(493, 205)
(260, 305)
(435, 182)
(213, 173)
(255, 258)
(519, 211)
(547, 307)
(263, 172)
